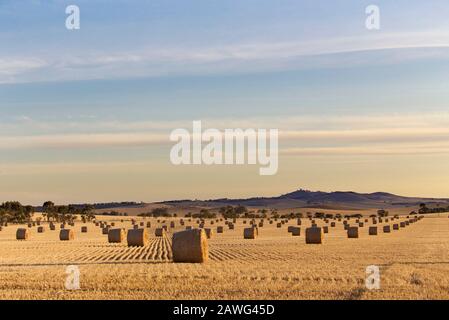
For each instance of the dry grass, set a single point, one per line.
(414, 263)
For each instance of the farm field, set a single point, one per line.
(413, 262)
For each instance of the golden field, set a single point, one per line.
(414, 264)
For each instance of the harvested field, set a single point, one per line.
(275, 265)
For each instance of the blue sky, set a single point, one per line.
(146, 67)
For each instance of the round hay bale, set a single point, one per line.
(296, 231)
(66, 235)
(314, 235)
(209, 233)
(159, 232)
(83, 229)
(372, 231)
(249, 233)
(353, 232)
(40, 229)
(190, 246)
(22, 234)
(116, 235)
(137, 237)
(256, 229)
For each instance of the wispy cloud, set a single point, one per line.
(224, 58)
(382, 134)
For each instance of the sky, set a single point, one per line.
(86, 114)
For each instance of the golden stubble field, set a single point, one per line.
(414, 264)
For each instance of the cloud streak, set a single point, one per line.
(240, 57)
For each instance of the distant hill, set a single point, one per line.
(317, 199)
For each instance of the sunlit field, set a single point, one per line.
(413, 262)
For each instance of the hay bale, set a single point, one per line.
(249, 233)
(296, 231)
(314, 235)
(387, 229)
(219, 229)
(395, 226)
(66, 235)
(190, 246)
(353, 232)
(40, 229)
(22, 234)
(116, 235)
(159, 232)
(372, 231)
(83, 229)
(209, 233)
(137, 237)
(256, 229)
